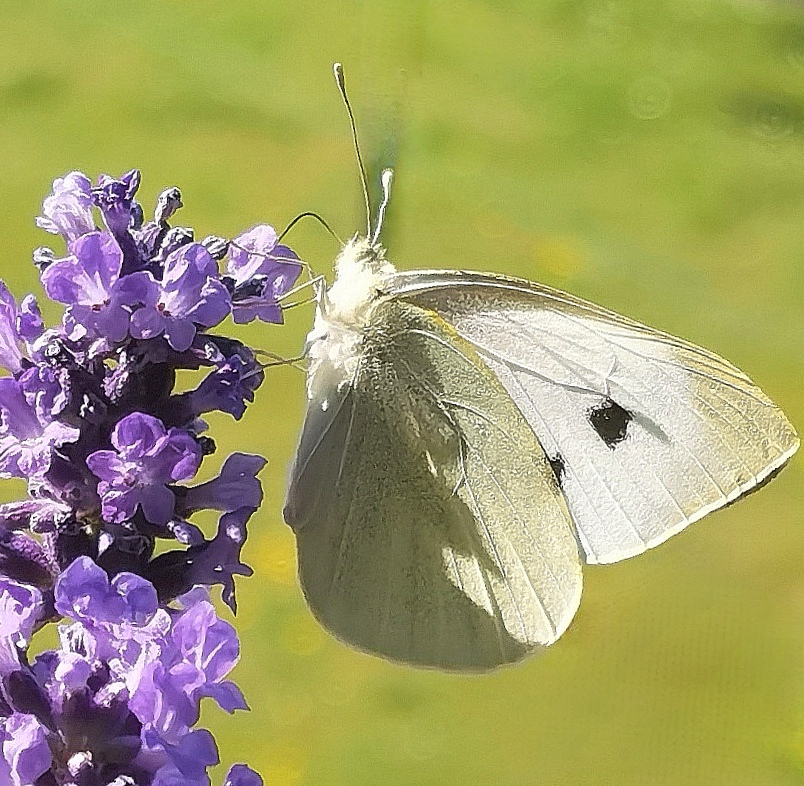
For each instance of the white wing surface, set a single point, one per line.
(429, 523)
(646, 432)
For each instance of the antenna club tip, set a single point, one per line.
(337, 70)
(386, 177)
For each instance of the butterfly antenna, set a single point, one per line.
(337, 69)
(387, 178)
(308, 214)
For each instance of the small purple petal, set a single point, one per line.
(195, 752)
(138, 434)
(87, 275)
(179, 333)
(206, 641)
(214, 562)
(229, 386)
(236, 486)
(106, 464)
(68, 210)
(115, 198)
(189, 761)
(84, 592)
(29, 319)
(139, 594)
(157, 503)
(241, 775)
(227, 696)
(10, 352)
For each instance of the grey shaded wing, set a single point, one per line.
(429, 524)
(646, 432)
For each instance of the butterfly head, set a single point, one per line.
(333, 345)
(361, 272)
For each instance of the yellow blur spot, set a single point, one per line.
(302, 636)
(285, 768)
(559, 256)
(275, 560)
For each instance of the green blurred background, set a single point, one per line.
(648, 156)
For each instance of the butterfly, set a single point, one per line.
(472, 439)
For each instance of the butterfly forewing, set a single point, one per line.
(646, 432)
(430, 525)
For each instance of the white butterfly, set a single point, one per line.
(472, 439)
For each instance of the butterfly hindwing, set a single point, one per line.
(645, 432)
(430, 525)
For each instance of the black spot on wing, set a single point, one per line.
(610, 421)
(558, 466)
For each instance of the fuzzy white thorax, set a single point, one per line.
(333, 345)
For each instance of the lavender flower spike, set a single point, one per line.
(91, 417)
(146, 458)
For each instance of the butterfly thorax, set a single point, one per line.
(333, 345)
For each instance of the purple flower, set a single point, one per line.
(91, 418)
(236, 487)
(147, 457)
(29, 319)
(229, 386)
(25, 751)
(240, 775)
(28, 437)
(190, 295)
(189, 760)
(10, 353)
(17, 325)
(68, 210)
(167, 662)
(115, 198)
(189, 663)
(25, 559)
(214, 562)
(85, 593)
(263, 271)
(88, 281)
(20, 609)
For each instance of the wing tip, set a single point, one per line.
(758, 481)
